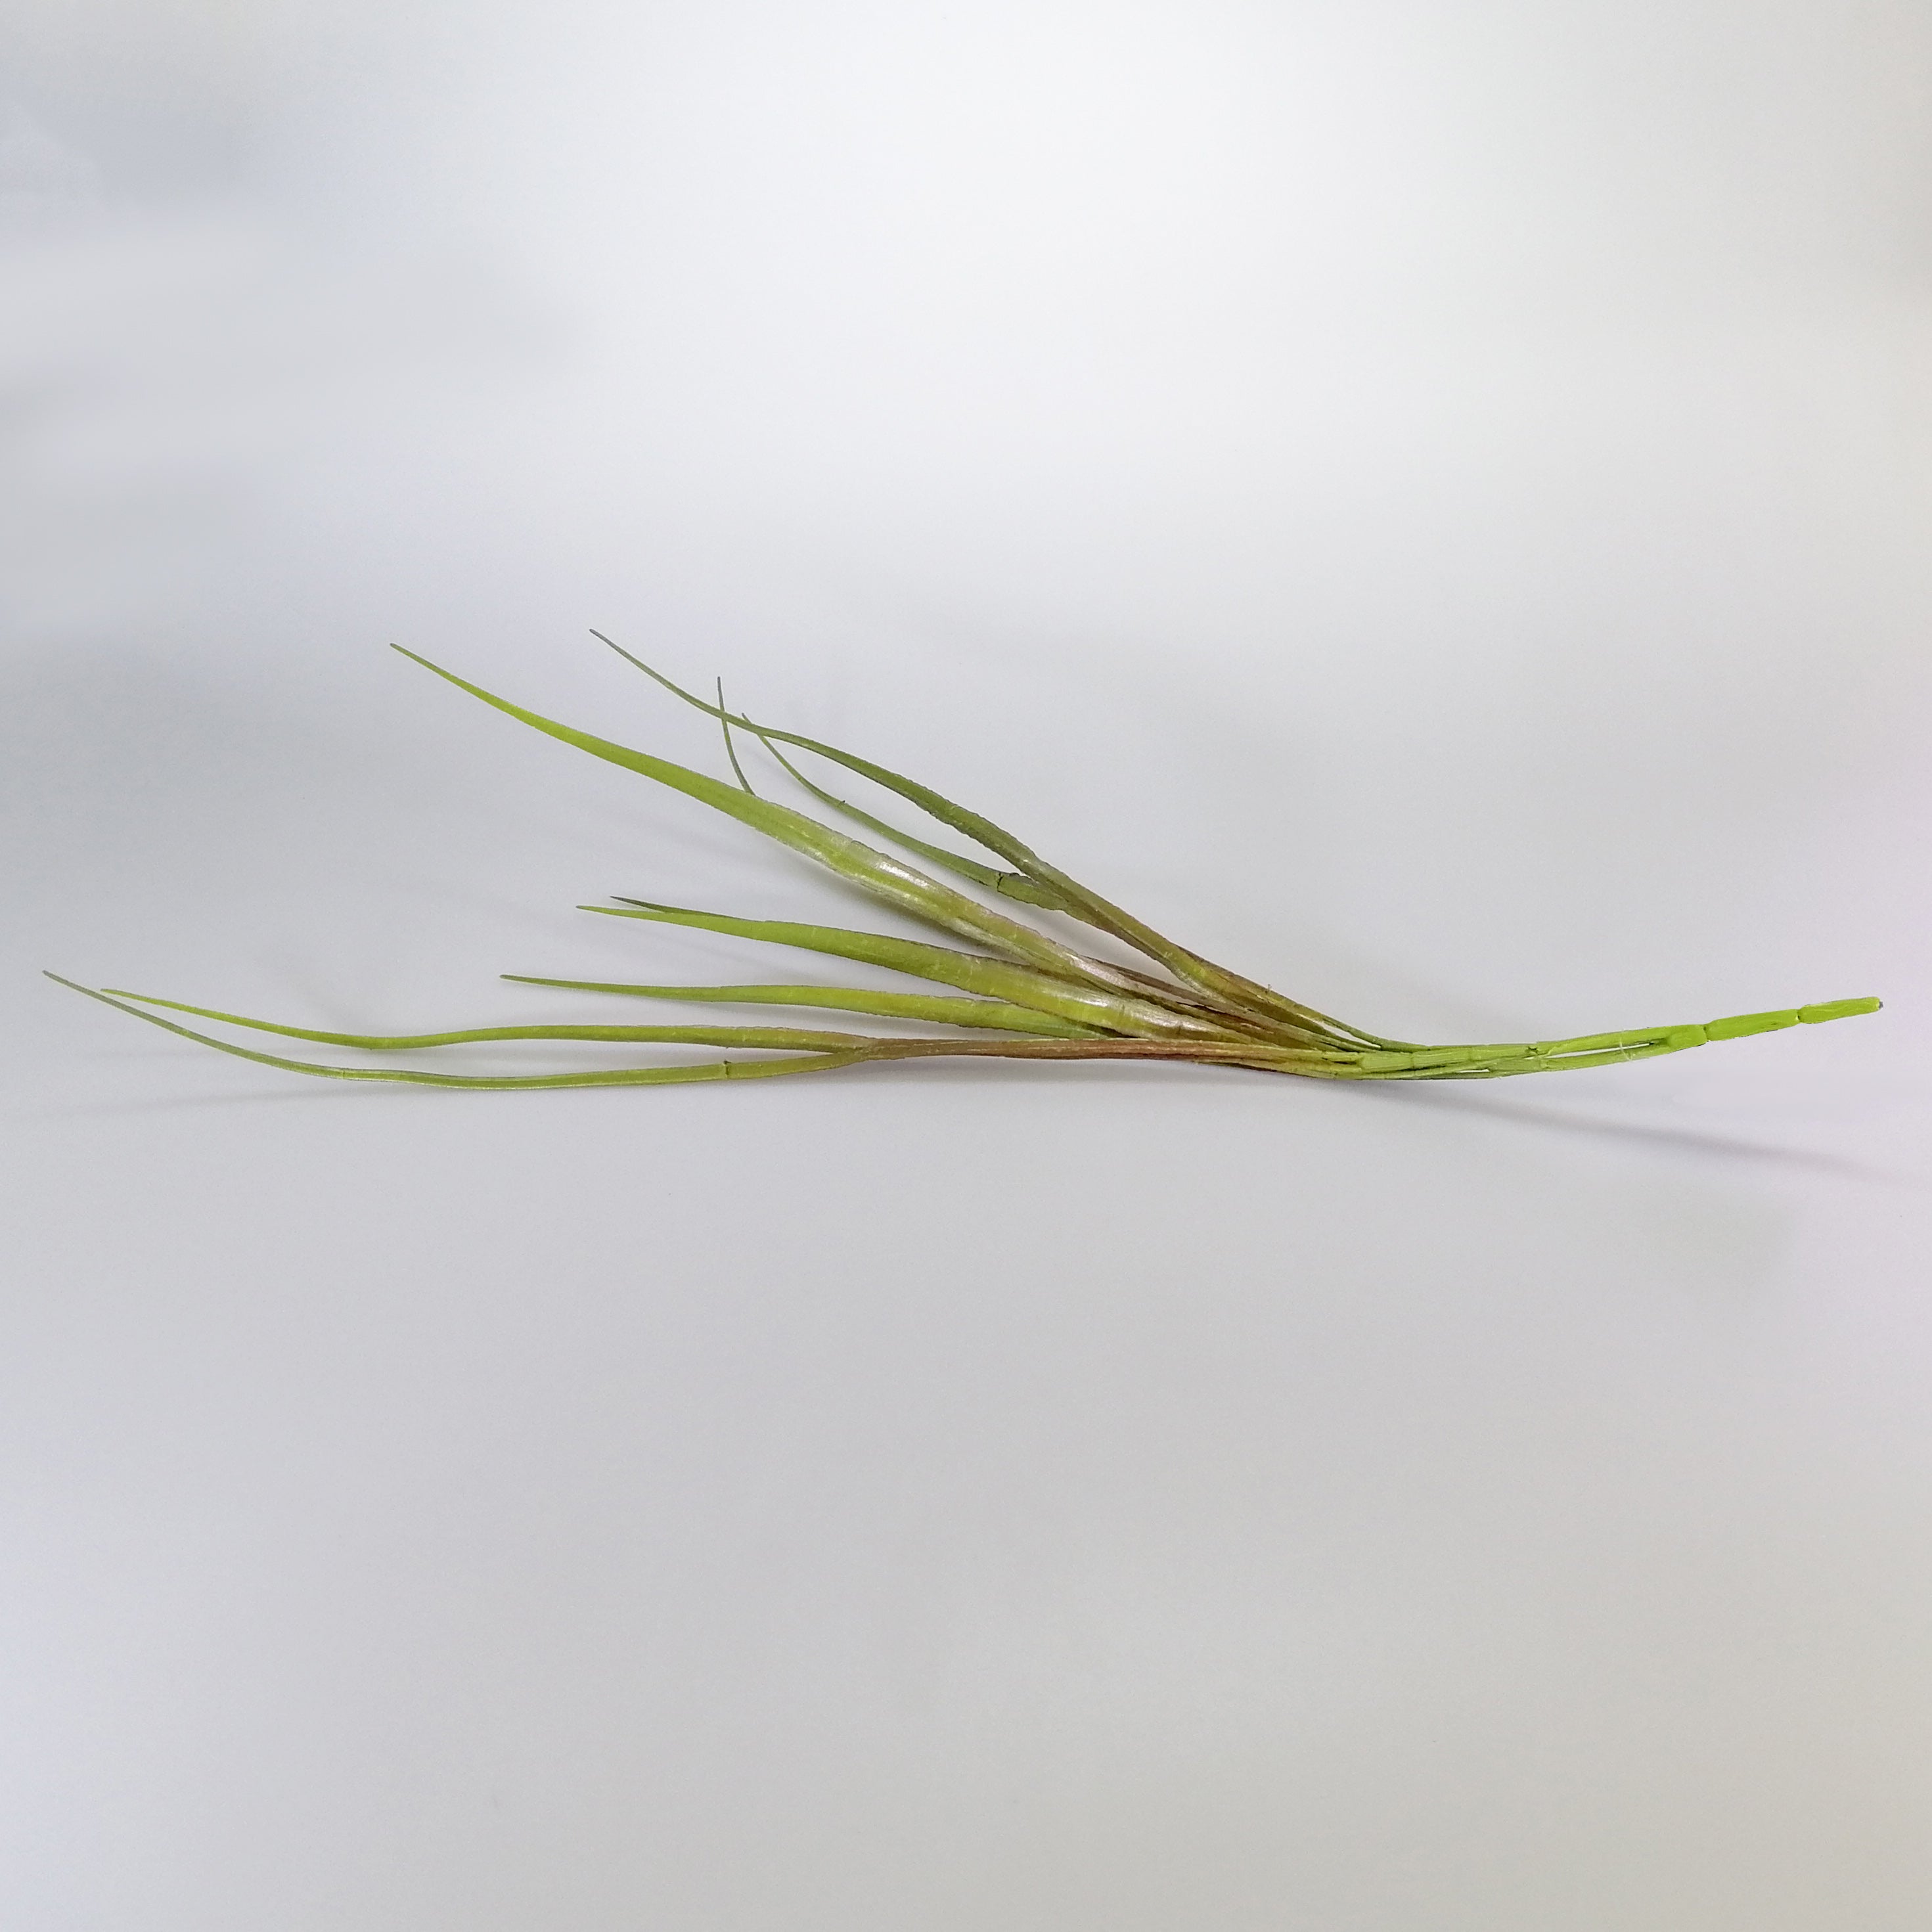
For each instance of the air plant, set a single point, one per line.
(1020, 994)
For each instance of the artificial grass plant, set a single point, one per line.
(1021, 994)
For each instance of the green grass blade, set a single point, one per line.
(1068, 895)
(790, 1039)
(1453, 1062)
(1254, 1055)
(888, 878)
(623, 1076)
(982, 831)
(939, 1009)
(731, 748)
(1012, 885)
(970, 972)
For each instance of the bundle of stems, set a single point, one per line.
(1020, 994)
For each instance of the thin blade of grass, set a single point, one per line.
(876, 872)
(730, 749)
(1013, 885)
(939, 1009)
(1017, 885)
(1080, 902)
(1254, 1055)
(626, 1076)
(784, 1039)
(1463, 1062)
(970, 972)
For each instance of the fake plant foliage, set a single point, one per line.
(1018, 993)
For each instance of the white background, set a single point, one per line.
(1428, 505)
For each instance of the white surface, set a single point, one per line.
(1430, 507)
